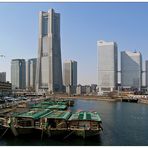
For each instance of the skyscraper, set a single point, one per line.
(30, 73)
(107, 66)
(131, 69)
(18, 74)
(2, 76)
(146, 72)
(70, 73)
(49, 68)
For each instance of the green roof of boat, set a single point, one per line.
(57, 107)
(83, 115)
(43, 106)
(35, 114)
(56, 114)
(54, 102)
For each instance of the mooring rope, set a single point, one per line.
(4, 133)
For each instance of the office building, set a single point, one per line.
(107, 66)
(30, 74)
(70, 73)
(18, 74)
(146, 72)
(131, 70)
(2, 76)
(49, 68)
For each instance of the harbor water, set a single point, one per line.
(124, 124)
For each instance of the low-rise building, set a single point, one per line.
(80, 90)
(5, 88)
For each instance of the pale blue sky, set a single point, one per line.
(82, 24)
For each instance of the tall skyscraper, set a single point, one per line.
(70, 73)
(2, 76)
(31, 73)
(18, 74)
(131, 69)
(49, 68)
(107, 66)
(146, 72)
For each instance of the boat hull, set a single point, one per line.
(57, 132)
(21, 131)
(86, 133)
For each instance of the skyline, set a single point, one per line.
(77, 39)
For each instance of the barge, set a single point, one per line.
(25, 123)
(85, 124)
(56, 122)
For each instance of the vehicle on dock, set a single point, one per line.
(85, 124)
(56, 122)
(27, 122)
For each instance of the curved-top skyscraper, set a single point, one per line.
(49, 67)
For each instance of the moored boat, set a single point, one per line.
(51, 105)
(56, 122)
(85, 124)
(25, 123)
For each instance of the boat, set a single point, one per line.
(57, 107)
(56, 122)
(85, 124)
(25, 123)
(51, 105)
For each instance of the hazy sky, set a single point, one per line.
(82, 24)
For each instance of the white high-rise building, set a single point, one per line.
(131, 70)
(70, 73)
(31, 73)
(18, 73)
(49, 68)
(2, 76)
(146, 72)
(107, 66)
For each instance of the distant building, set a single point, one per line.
(70, 73)
(80, 90)
(5, 88)
(70, 89)
(107, 66)
(2, 76)
(31, 73)
(146, 69)
(93, 87)
(49, 66)
(18, 74)
(131, 70)
(88, 89)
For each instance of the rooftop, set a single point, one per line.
(83, 115)
(35, 114)
(57, 107)
(57, 115)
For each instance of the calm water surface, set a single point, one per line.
(124, 124)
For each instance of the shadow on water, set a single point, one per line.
(48, 141)
(89, 141)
